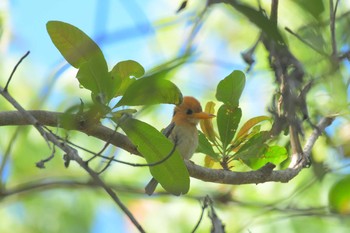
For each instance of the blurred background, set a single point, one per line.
(56, 199)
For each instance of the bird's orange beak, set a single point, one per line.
(202, 115)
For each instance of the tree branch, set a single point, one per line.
(71, 153)
(265, 174)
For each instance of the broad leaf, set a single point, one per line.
(230, 89)
(207, 124)
(250, 124)
(172, 174)
(339, 196)
(227, 120)
(205, 147)
(314, 7)
(259, 18)
(273, 154)
(255, 153)
(75, 46)
(152, 90)
(93, 75)
(125, 73)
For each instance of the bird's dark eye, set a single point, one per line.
(189, 111)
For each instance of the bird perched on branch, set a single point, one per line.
(182, 131)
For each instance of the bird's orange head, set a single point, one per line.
(189, 112)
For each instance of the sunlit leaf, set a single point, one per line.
(93, 75)
(313, 7)
(250, 124)
(339, 196)
(273, 154)
(125, 73)
(229, 89)
(260, 19)
(120, 113)
(227, 120)
(151, 90)
(205, 147)
(209, 161)
(255, 153)
(75, 46)
(252, 150)
(238, 142)
(172, 174)
(207, 124)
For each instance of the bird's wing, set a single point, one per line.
(168, 129)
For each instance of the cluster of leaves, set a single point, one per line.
(128, 82)
(250, 144)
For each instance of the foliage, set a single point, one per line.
(125, 79)
(250, 144)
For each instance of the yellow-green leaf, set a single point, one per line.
(205, 147)
(250, 124)
(75, 46)
(125, 73)
(230, 89)
(172, 174)
(207, 124)
(152, 90)
(339, 196)
(93, 75)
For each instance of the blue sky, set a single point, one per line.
(96, 18)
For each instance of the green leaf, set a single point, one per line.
(255, 153)
(313, 7)
(75, 46)
(250, 124)
(274, 154)
(259, 18)
(227, 120)
(339, 196)
(253, 149)
(125, 73)
(93, 75)
(230, 89)
(152, 90)
(172, 174)
(205, 147)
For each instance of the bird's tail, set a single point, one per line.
(151, 186)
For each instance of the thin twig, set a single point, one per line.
(14, 70)
(105, 145)
(71, 153)
(332, 13)
(124, 162)
(306, 42)
(41, 163)
(274, 12)
(204, 206)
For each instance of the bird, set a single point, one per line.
(182, 131)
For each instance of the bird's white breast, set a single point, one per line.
(186, 139)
